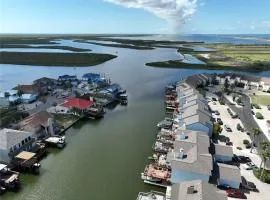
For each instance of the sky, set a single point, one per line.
(135, 16)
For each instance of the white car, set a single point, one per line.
(249, 166)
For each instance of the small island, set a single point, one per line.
(54, 59)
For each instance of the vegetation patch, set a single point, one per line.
(44, 47)
(54, 59)
(261, 99)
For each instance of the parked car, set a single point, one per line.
(249, 166)
(219, 121)
(217, 113)
(248, 185)
(224, 187)
(229, 143)
(227, 128)
(239, 127)
(236, 194)
(241, 159)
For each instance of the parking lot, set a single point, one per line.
(237, 137)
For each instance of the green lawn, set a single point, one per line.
(261, 99)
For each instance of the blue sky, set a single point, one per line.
(135, 16)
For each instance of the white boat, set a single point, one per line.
(58, 141)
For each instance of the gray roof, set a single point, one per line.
(223, 150)
(196, 148)
(229, 172)
(202, 191)
(194, 109)
(10, 137)
(198, 117)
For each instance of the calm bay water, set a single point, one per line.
(103, 159)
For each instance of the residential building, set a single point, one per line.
(29, 98)
(67, 78)
(223, 153)
(29, 89)
(229, 175)
(13, 142)
(91, 78)
(190, 159)
(41, 124)
(196, 122)
(196, 190)
(81, 104)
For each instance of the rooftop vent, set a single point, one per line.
(181, 154)
(191, 190)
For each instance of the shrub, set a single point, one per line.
(239, 148)
(217, 129)
(265, 177)
(248, 146)
(256, 106)
(268, 122)
(259, 115)
(245, 142)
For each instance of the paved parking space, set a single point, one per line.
(235, 136)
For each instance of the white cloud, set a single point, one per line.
(176, 12)
(252, 27)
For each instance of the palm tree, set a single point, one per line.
(255, 134)
(265, 154)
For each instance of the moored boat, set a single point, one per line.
(56, 141)
(8, 179)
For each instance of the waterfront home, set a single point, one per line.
(42, 124)
(82, 105)
(196, 190)
(8, 178)
(229, 175)
(44, 81)
(194, 109)
(67, 78)
(29, 98)
(92, 78)
(26, 162)
(32, 89)
(197, 80)
(193, 101)
(223, 153)
(183, 87)
(13, 142)
(190, 97)
(196, 122)
(190, 158)
(8, 93)
(11, 96)
(113, 89)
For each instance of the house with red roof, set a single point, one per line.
(77, 103)
(80, 106)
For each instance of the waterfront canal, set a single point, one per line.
(103, 159)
